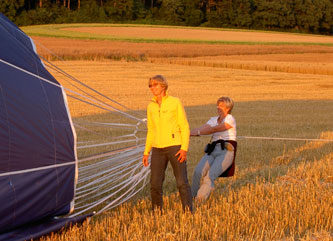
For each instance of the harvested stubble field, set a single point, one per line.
(267, 51)
(195, 85)
(282, 190)
(200, 34)
(284, 58)
(77, 49)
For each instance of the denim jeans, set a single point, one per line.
(208, 169)
(159, 162)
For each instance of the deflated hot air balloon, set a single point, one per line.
(38, 164)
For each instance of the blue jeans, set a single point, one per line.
(208, 169)
(159, 162)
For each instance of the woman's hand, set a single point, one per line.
(145, 161)
(195, 132)
(181, 155)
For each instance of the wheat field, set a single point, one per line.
(282, 190)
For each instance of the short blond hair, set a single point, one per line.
(160, 79)
(229, 103)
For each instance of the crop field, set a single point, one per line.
(198, 34)
(282, 85)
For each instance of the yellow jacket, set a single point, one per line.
(167, 124)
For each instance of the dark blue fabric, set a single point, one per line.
(45, 192)
(35, 132)
(44, 227)
(13, 30)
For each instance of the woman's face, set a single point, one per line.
(222, 110)
(156, 88)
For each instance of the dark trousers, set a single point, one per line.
(159, 162)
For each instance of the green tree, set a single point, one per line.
(139, 11)
(273, 14)
(89, 12)
(307, 16)
(242, 16)
(120, 10)
(220, 14)
(193, 15)
(11, 8)
(325, 18)
(172, 11)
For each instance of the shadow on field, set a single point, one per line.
(262, 158)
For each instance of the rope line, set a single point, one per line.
(110, 143)
(86, 93)
(282, 138)
(75, 79)
(69, 90)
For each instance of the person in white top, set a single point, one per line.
(219, 160)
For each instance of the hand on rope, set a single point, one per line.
(181, 155)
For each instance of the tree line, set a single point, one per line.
(311, 16)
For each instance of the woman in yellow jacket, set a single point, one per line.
(168, 139)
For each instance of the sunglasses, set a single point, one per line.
(153, 85)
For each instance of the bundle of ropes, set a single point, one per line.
(110, 147)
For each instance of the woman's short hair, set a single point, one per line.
(229, 103)
(160, 79)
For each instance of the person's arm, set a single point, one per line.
(149, 139)
(197, 131)
(207, 129)
(184, 131)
